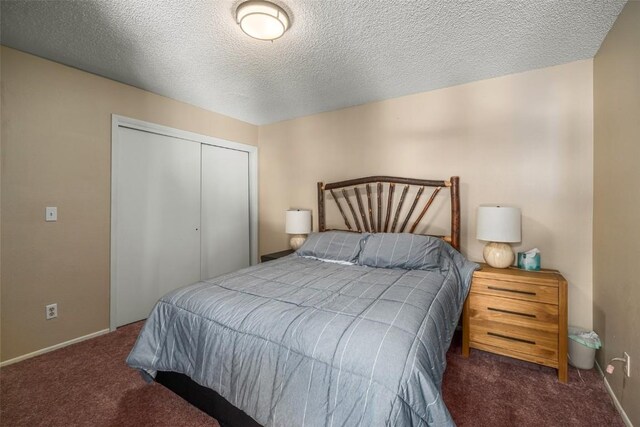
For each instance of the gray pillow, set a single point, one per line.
(342, 246)
(401, 250)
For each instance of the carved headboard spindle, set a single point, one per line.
(346, 220)
(399, 208)
(379, 227)
(413, 206)
(353, 212)
(373, 226)
(425, 209)
(392, 187)
(365, 225)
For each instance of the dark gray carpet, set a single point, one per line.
(88, 384)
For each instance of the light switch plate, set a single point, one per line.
(51, 213)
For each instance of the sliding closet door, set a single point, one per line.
(157, 219)
(225, 211)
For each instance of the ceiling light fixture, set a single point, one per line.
(262, 20)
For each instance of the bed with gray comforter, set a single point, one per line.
(310, 340)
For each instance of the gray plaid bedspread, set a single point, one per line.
(301, 342)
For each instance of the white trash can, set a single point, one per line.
(583, 344)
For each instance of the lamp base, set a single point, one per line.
(498, 255)
(297, 240)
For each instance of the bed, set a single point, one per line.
(352, 329)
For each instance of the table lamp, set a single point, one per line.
(498, 225)
(298, 224)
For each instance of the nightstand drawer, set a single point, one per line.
(513, 338)
(515, 312)
(516, 290)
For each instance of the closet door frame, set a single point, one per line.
(117, 122)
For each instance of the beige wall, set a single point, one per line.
(56, 147)
(523, 140)
(616, 226)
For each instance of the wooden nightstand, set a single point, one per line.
(276, 255)
(518, 313)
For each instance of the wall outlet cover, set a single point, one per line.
(51, 311)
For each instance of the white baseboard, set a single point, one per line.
(615, 400)
(53, 347)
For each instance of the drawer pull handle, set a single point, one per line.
(511, 338)
(533, 316)
(515, 291)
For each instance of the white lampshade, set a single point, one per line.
(298, 221)
(262, 20)
(498, 224)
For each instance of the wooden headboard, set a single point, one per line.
(371, 219)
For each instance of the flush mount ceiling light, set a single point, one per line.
(262, 20)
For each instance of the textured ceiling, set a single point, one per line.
(338, 53)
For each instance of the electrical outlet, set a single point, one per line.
(51, 311)
(627, 364)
